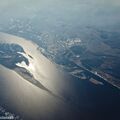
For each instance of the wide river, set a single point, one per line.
(73, 99)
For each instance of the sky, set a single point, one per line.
(57, 13)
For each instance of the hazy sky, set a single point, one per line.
(78, 12)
